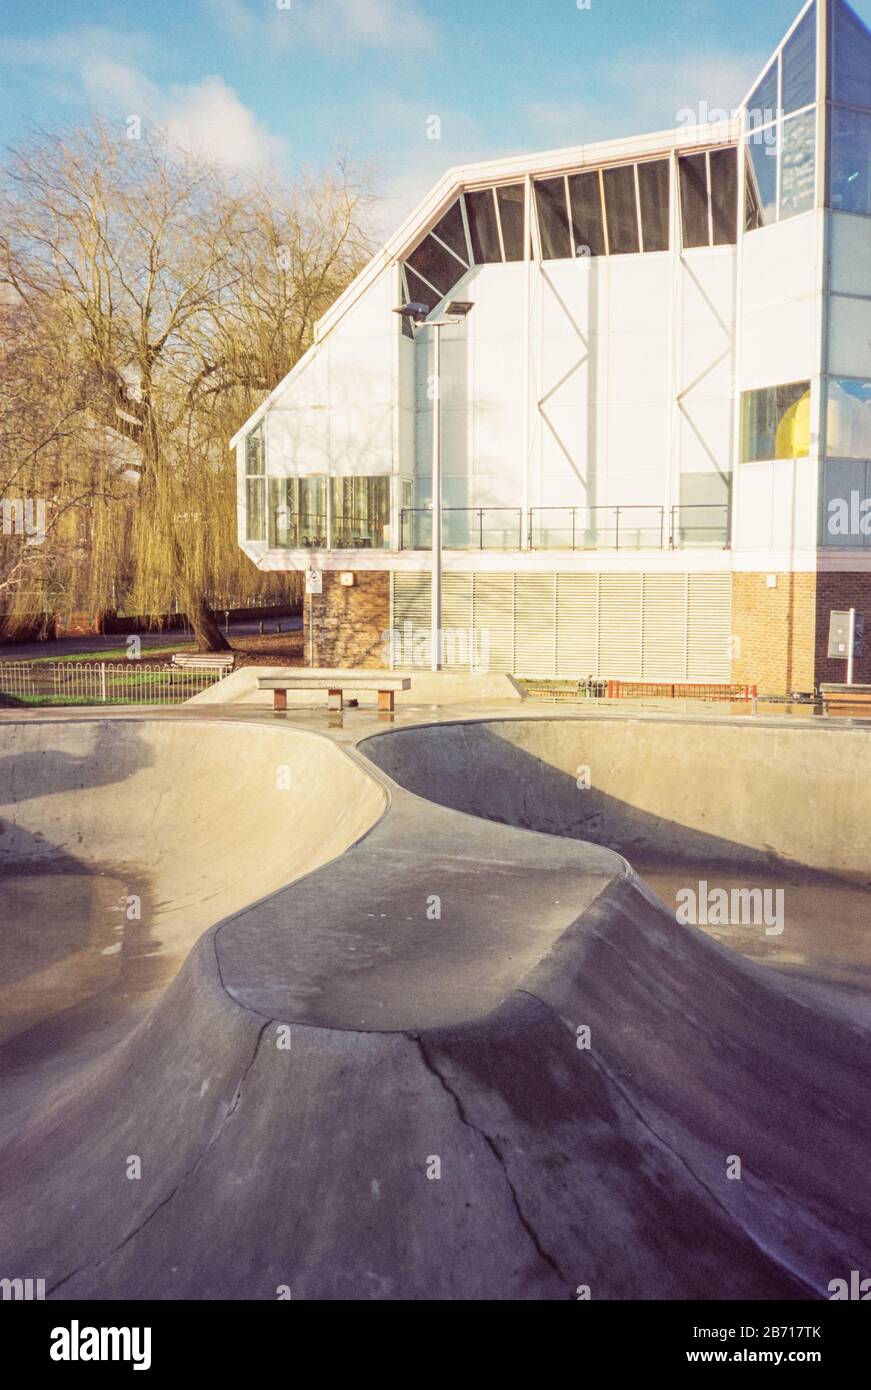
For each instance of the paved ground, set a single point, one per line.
(368, 1080)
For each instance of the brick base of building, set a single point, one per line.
(782, 633)
(348, 621)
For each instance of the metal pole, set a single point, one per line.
(311, 634)
(851, 643)
(436, 614)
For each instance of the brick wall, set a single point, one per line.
(842, 591)
(776, 630)
(348, 620)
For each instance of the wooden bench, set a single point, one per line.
(219, 661)
(335, 686)
(846, 699)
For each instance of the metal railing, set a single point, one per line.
(103, 683)
(463, 528)
(569, 528)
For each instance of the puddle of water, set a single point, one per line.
(826, 921)
(69, 937)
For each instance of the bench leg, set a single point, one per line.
(385, 701)
(334, 700)
(279, 700)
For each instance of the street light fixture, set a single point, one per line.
(455, 312)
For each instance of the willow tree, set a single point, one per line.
(178, 296)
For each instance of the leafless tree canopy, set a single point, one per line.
(147, 304)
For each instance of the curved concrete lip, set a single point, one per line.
(580, 1066)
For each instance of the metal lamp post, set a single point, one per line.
(456, 311)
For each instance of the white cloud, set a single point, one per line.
(206, 118)
(209, 120)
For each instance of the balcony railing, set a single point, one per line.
(569, 528)
(463, 528)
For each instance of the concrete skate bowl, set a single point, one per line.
(122, 841)
(462, 1060)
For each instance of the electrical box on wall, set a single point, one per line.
(347, 578)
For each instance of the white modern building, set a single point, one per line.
(655, 420)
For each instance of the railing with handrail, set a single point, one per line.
(619, 527)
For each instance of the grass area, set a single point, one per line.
(113, 654)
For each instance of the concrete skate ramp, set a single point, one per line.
(121, 841)
(462, 1060)
(714, 794)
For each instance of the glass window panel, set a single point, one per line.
(298, 513)
(621, 210)
(848, 423)
(800, 65)
(450, 231)
(255, 509)
(761, 173)
(653, 185)
(775, 422)
(255, 451)
(724, 195)
(436, 265)
(851, 58)
(694, 200)
(510, 202)
(798, 165)
(553, 219)
(588, 227)
(481, 212)
(850, 165)
(419, 292)
(762, 103)
(361, 513)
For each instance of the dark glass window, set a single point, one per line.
(762, 103)
(621, 210)
(775, 422)
(653, 185)
(761, 168)
(800, 65)
(297, 512)
(798, 165)
(510, 200)
(255, 450)
(450, 231)
(850, 165)
(419, 292)
(255, 508)
(851, 58)
(724, 195)
(435, 264)
(588, 228)
(481, 212)
(553, 219)
(694, 200)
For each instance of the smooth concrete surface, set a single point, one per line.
(368, 1083)
(427, 687)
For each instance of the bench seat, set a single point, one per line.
(335, 685)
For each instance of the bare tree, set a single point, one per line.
(180, 297)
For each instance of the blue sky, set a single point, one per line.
(295, 82)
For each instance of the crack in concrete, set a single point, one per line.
(500, 1159)
(231, 1109)
(678, 1157)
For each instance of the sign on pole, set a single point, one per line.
(314, 580)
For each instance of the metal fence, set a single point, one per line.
(103, 683)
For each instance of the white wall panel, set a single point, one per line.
(850, 254)
(849, 336)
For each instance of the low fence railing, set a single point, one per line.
(103, 682)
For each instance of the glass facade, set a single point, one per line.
(780, 145)
(360, 513)
(255, 484)
(850, 163)
(776, 422)
(848, 418)
(298, 513)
